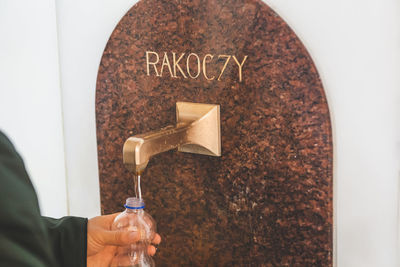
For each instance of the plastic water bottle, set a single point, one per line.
(134, 218)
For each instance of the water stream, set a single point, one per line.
(136, 182)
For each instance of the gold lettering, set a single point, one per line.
(175, 64)
(224, 67)
(151, 63)
(166, 63)
(153, 58)
(205, 67)
(198, 65)
(240, 66)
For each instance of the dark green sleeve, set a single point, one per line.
(27, 238)
(68, 240)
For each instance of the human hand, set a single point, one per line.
(102, 242)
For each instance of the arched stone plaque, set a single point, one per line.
(267, 201)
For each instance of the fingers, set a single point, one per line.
(109, 219)
(112, 216)
(104, 221)
(102, 259)
(151, 250)
(156, 239)
(125, 260)
(119, 238)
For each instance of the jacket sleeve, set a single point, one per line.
(68, 238)
(27, 238)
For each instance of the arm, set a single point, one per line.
(24, 239)
(68, 240)
(28, 239)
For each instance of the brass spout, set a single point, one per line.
(197, 131)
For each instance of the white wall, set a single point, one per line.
(84, 28)
(30, 102)
(355, 45)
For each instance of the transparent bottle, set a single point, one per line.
(134, 218)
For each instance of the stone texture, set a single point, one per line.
(268, 200)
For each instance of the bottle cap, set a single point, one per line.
(134, 203)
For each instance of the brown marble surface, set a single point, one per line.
(267, 201)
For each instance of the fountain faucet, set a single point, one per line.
(197, 130)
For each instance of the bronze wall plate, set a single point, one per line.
(267, 201)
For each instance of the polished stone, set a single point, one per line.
(267, 201)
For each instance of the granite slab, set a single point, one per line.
(267, 201)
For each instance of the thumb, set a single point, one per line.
(119, 238)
